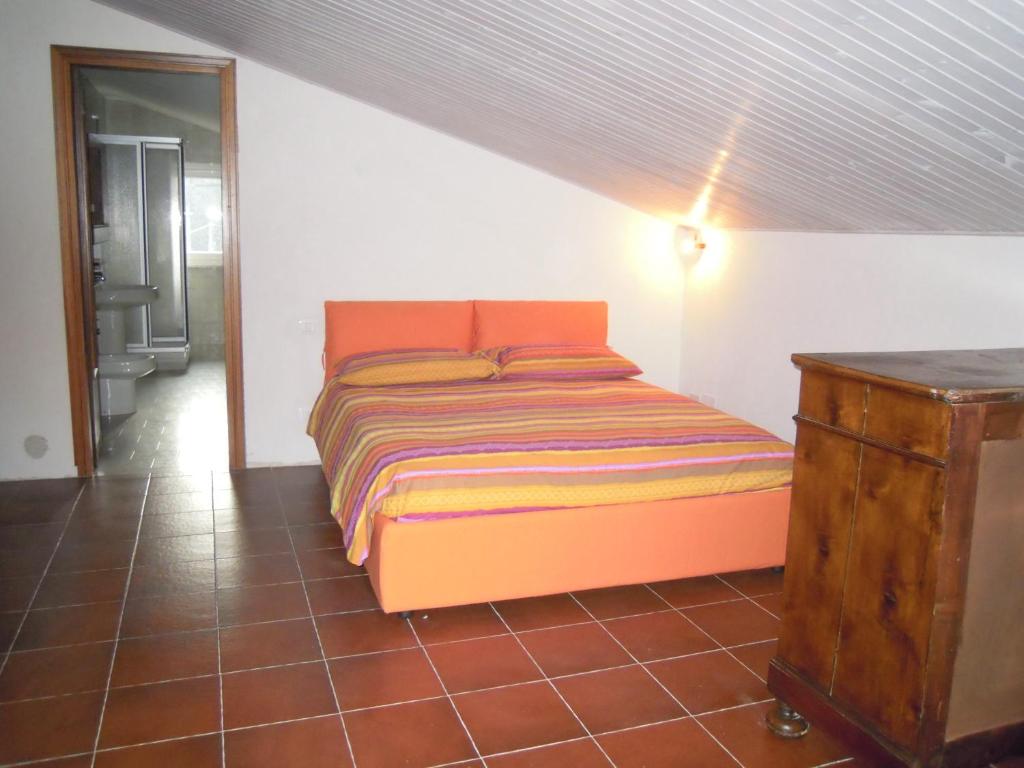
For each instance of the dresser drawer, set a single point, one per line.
(914, 423)
(833, 400)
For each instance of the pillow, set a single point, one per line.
(413, 366)
(561, 362)
(505, 323)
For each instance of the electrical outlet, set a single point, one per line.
(307, 327)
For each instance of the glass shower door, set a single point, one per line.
(165, 243)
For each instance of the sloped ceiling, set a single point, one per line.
(844, 115)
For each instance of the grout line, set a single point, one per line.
(655, 679)
(451, 701)
(723, 647)
(117, 633)
(39, 584)
(319, 641)
(220, 663)
(551, 684)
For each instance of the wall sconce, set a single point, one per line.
(689, 243)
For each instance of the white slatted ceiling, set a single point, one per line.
(844, 115)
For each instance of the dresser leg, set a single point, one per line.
(784, 722)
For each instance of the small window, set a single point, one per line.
(203, 232)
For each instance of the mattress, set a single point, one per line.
(430, 452)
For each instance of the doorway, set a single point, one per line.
(146, 156)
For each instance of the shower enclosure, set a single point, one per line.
(139, 236)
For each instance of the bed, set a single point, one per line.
(476, 491)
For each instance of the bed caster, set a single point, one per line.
(785, 722)
(405, 614)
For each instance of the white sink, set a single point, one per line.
(110, 296)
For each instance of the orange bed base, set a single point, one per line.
(420, 565)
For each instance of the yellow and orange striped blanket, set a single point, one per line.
(428, 452)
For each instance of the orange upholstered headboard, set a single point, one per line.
(353, 327)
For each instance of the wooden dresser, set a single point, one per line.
(903, 624)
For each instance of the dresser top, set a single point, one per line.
(956, 376)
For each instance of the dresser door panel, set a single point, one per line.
(890, 591)
(821, 513)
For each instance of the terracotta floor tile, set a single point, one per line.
(678, 744)
(306, 512)
(735, 623)
(582, 753)
(65, 626)
(272, 602)
(33, 535)
(771, 603)
(60, 589)
(165, 657)
(249, 518)
(15, 594)
(172, 484)
(484, 663)
(258, 541)
(299, 477)
(261, 477)
(264, 645)
(92, 556)
(34, 512)
(442, 625)
(742, 731)
(419, 734)
(757, 656)
(541, 612)
(282, 693)
(176, 524)
(326, 563)
(317, 536)
(54, 671)
(9, 623)
(316, 743)
(613, 602)
(170, 613)
(257, 570)
(517, 717)
(145, 713)
(34, 730)
(21, 563)
(659, 635)
(709, 681)
(763, 581)
(683, 593)
(174, 549)
(172, 579)
(81, 761)
(383, 678)
(194, 752)
(568, 650)
(617, 698)
(348, 593)
(91, 528)
(190, 501)
(350, 633)
(107, 489)
(241, 496)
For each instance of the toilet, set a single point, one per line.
(117, 376)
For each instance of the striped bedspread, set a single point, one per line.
(426, 452)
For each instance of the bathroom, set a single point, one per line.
(152, 149)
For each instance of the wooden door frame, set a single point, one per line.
(78, 302)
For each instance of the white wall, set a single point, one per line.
(759, 297)
(337, 200)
